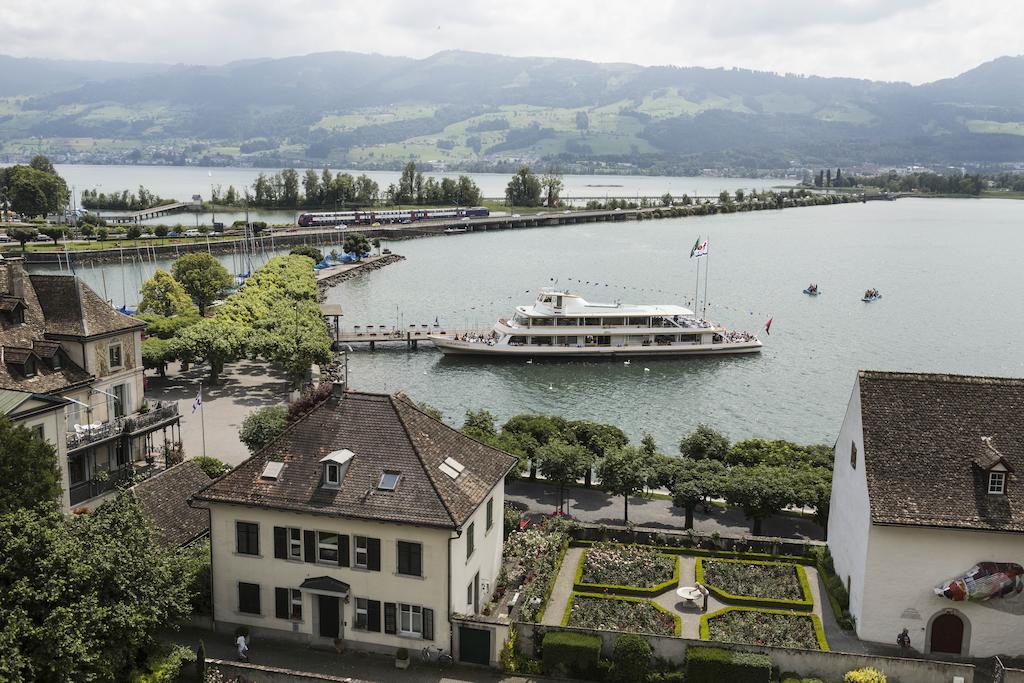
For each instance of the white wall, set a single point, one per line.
(849, 519)
(53, 423)
(385, 585)
(486, 557)
(906, 563)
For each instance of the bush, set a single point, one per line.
(212, 466)
(632, 658)
(865, 675)
(307, 250)
(262, 426)
(165, 665)
(402, 653)
(713, 665)
(308, 400)
(512, 518)
(576, 654)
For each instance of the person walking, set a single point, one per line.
(243, 648)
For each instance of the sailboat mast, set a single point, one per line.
(707, 257)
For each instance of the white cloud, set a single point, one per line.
(911, 40)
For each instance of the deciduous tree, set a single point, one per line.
(562, 464)
(624, 472)
(262, 426)
(203, 277)
(693, 482)
(165, 296)
(28, 468)
(759, 490)
(704, 442)
(524, 189)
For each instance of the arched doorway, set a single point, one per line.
(947, 634)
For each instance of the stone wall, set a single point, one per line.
(271, 674)
(829, 666)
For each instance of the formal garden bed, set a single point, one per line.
(769, 584)
(632, 615)
(772, 628)
(626, 570)
(532, 560)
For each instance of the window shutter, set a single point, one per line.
(309, 545)
(390, 618)
(373, 554)
(280, 542)
(417, 559)
(281, 602)
(373, 615)
(343, 553)
(428, 624)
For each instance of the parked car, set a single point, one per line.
(192, 233)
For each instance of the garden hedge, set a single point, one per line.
(634, 591)
(572, 653)
(568, 608)
(715, 665)
(819, 631)
(723, 554)
(806, 604)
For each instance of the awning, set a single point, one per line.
(325, 583)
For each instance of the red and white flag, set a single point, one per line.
(768, 325)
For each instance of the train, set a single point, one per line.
(307, 220)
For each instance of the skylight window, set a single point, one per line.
(388, 481)
(452, 467)
(272, 470)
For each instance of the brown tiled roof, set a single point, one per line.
(922, 437)
(385, 433)
(17, 354)
(45, 349)
(70, 307)
(164, 499)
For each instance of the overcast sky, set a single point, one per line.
(908, 40)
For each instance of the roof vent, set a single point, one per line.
(452, 467)
(272, 470)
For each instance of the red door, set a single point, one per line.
(948, 634)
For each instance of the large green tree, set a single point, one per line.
(356, 243)
(624, 472)
(598, 439)
(215, 341)
(524, 189)
(760, 491)
(82, 597)
(534, 431)
(28, 468)
(563, 463)
(693, 482)
(203, 277)
(34, 190)
(704, 442)
(166, 297)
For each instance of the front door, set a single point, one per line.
(948, 634)
(329, 619)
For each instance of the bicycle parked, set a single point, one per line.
(436, 654)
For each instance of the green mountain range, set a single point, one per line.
(477, 110)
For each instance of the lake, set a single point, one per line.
(948, 269)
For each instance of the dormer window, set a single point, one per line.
(335, 465)
(997, 483)
(56, 362)
(30, 367)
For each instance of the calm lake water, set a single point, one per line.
(949, 271)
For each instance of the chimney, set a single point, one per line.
(338, 388)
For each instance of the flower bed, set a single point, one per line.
(626, 569)
(773, 628)
(633, 615)
(537, 554)
(756, 583)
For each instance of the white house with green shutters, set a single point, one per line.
(366, 523)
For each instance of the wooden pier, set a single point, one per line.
(153, 212)
(410, 335)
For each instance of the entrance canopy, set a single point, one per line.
(327, 584)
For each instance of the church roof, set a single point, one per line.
(929, 440)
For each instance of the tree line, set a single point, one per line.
(125, 200)
(413, 189)
(530, 190)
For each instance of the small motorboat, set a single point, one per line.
(871, 295)
(812, 292)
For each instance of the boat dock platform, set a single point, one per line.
(410, 335)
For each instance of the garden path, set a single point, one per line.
(561, 592)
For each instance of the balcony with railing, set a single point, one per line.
(132, 425)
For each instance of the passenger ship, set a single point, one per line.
(560, 323)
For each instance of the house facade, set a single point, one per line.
(59, 339)
(926, 524)
(367, 522)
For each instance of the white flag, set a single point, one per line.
(198, 403)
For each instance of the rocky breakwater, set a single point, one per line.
(329, 277)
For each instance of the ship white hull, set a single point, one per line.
(452, 347)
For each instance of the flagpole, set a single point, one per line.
(707, 257)
(696, 288)
(202, 416)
